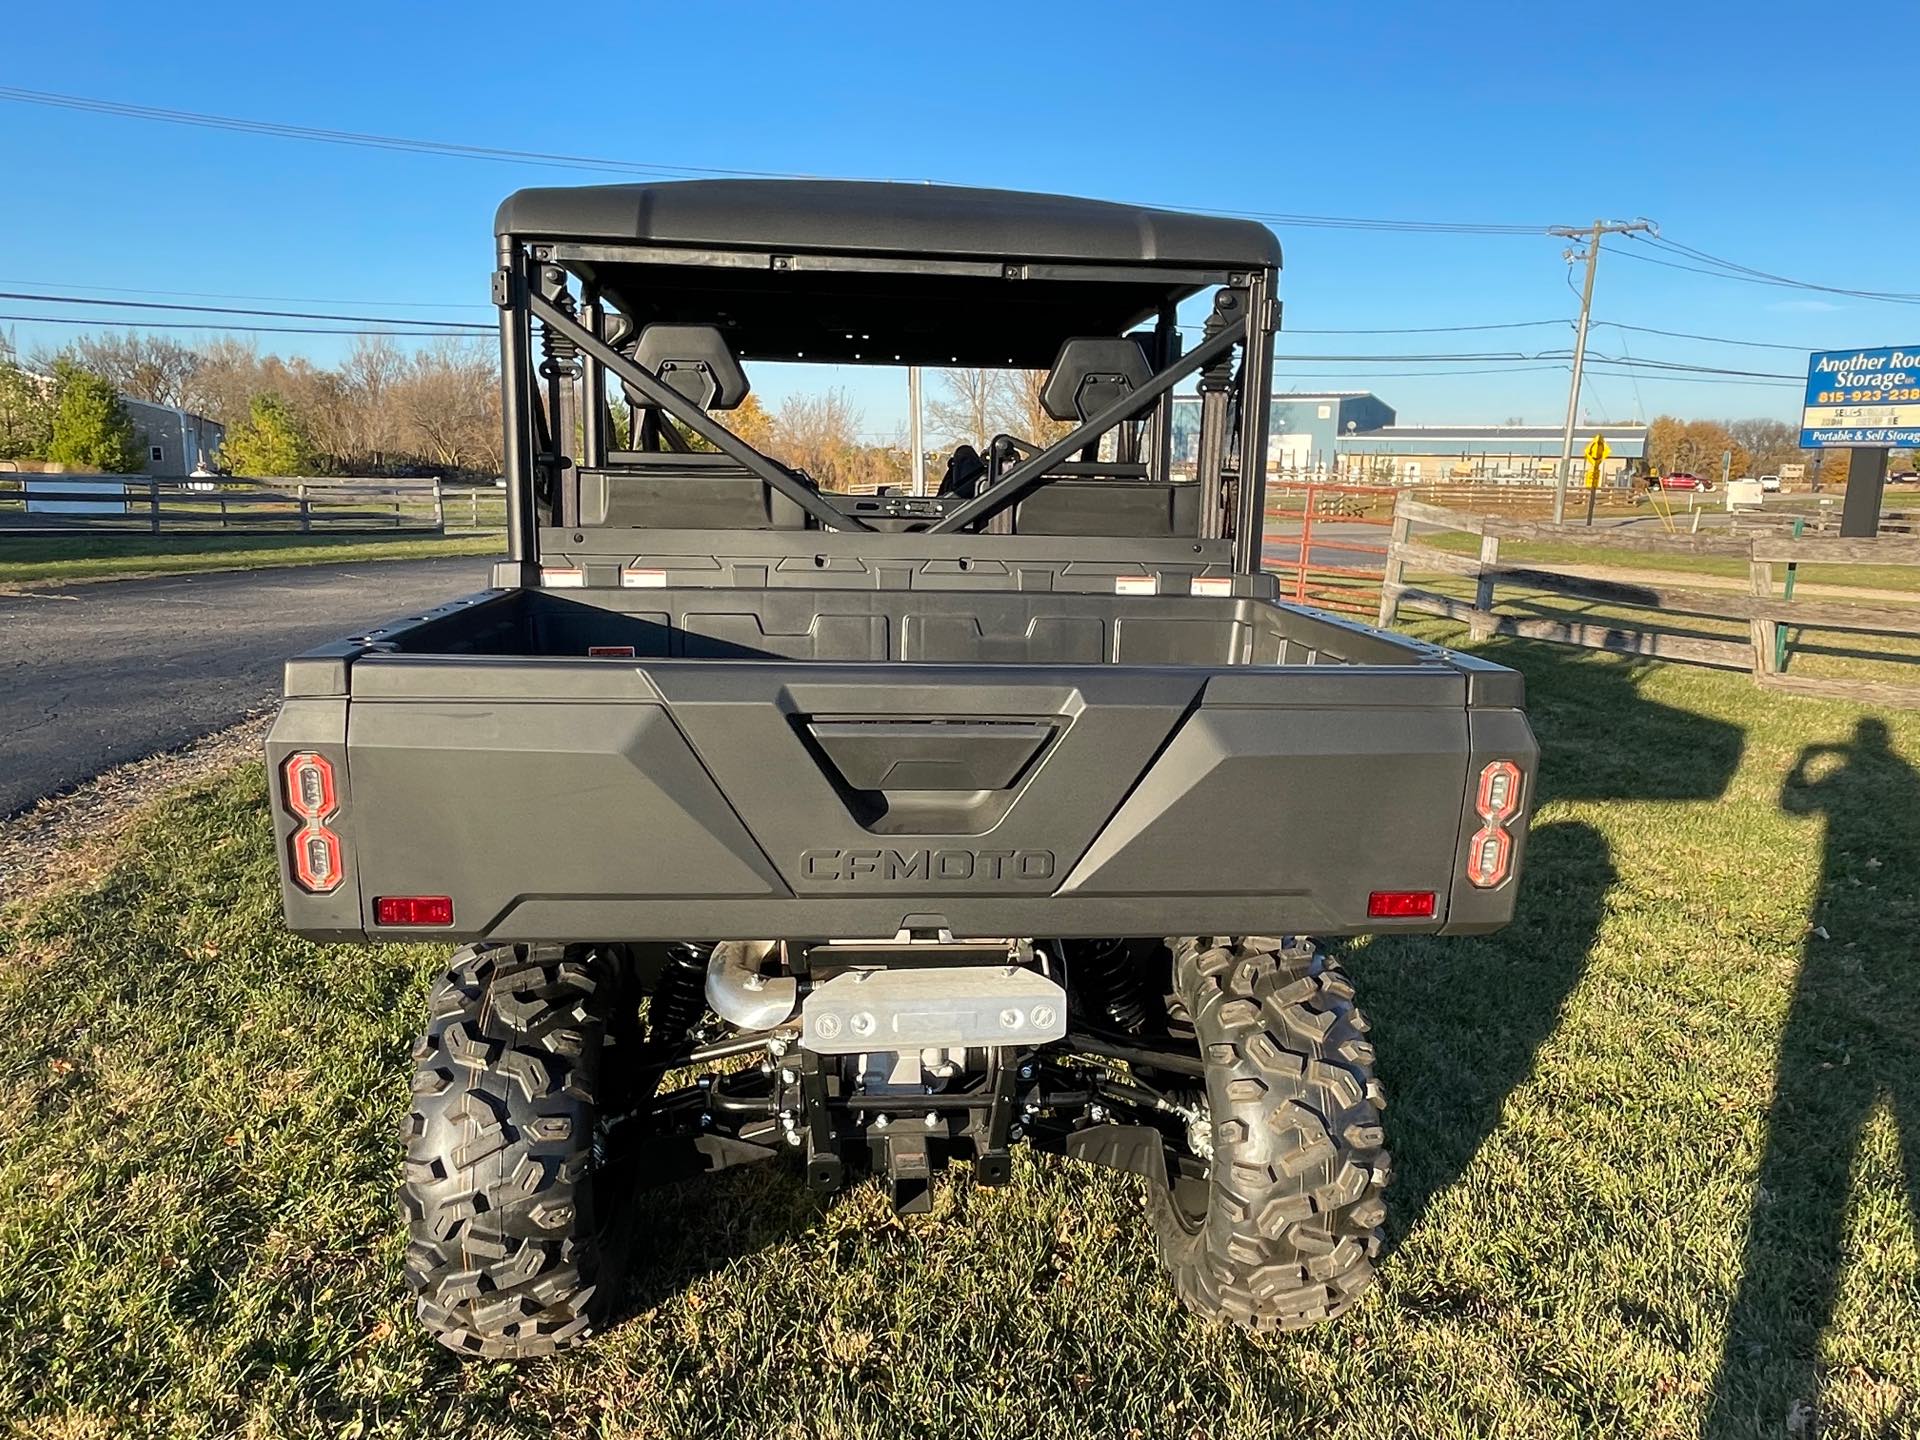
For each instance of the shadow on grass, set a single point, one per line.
(1458, 1022)
(678, 1234)
(1846, 1049)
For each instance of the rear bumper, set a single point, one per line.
(576, 800)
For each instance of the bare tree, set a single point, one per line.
(1018, 409)
(145, 367)
(370, 375)
(966, 406)
(818, 434)
(448, 399)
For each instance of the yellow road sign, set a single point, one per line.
(1598, 450)
(1593, 475)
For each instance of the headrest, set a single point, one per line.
(1091, 372)
(695, 361)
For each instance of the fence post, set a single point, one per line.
(153, 505)
(1394, 573)
(439, 506)
(1481, 626)
(473, 501)
(306, 509)
(1762, 628)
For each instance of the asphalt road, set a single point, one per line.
(96, 675)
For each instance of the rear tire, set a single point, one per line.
(509, 1252)
(1282, 1230)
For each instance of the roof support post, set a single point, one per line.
(516, 344)
(1256, 372)
(1215, 381)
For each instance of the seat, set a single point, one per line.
(695, 491)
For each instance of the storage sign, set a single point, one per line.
(1865, 398)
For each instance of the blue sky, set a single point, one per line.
(1716, 121)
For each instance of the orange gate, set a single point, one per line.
(1328, 541)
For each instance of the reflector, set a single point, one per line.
(1401, 905)
(413, 910)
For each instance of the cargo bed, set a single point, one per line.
(687, 763)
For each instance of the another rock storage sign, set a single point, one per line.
(1866, 399)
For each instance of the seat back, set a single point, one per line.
(684, 492)
(1110, 506)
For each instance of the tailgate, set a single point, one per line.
(571, 799)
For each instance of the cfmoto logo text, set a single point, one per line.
(926, 866)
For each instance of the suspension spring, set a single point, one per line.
(1109, 980)
(680, 997)
(560, 355)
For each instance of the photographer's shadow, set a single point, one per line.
(1846, 1049)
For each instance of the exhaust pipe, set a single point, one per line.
(741, 995)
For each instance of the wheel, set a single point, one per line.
(509, 1251)
(1279, 1226)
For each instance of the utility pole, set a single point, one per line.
(1592, 237)
(914, 443)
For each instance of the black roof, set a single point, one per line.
(836, 312)
(885, 218)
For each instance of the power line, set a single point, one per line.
(228, 295)
(471, 325)
(1714, 339)
(93, 320)
(1757, 278)
(1748, 270)
(655, 169)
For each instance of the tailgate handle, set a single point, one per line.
(898, 755)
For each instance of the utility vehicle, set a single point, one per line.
(882, 831)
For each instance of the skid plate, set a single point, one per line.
(949, 1005)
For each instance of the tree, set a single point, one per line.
(1769, 443)
(1019, 410)
(269, 442)
(448, 400)
(91, 429)
(26, 408)
(145, 367)
(1694, 447)
(966, 405)
(370, 376)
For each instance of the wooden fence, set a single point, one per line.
(138, 504)
(1657, 612)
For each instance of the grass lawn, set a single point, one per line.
(1651, 1175)
(86, 557)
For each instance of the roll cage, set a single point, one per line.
(873, 273)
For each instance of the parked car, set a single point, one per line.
(1069, 798)
(1770, 483)
(1681, 480)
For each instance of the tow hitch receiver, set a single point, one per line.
(861, 1011)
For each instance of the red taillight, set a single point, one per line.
(1496, 801)
(1401, 905)
(309, 782)
(307, 785)
(413, 910)
(316, 858)
(1488, 855)
(1499, 795)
